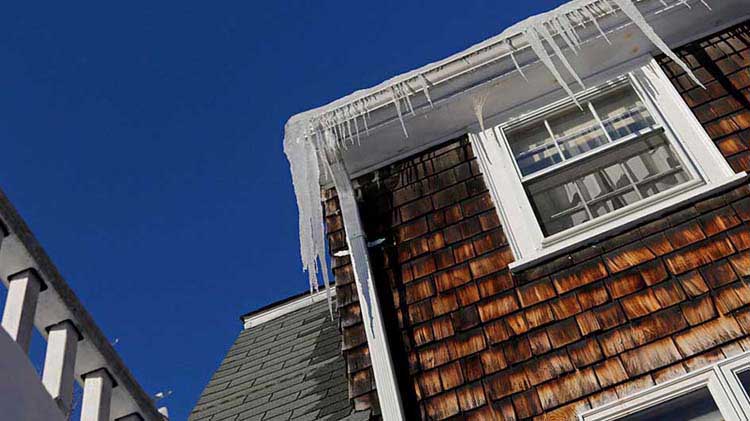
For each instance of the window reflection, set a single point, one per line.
(534, 149)
(577, 131)
(562, 201)
(694, 406)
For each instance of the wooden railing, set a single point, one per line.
(77, 350)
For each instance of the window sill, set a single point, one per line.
(598, 229)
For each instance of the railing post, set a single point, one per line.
(59, 363)
(97, 395)
(20, 306)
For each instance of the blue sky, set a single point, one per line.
(142, 144)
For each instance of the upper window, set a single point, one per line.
(578, 164)
(569, 171)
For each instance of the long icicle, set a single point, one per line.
(477, 103)
(536, 45)
(629, 8)
(515, 62)
(558, 51)
(397, 104)
(587, 12)
(319, 237)
(426, 89)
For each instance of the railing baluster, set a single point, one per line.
(20, 306)
(97, 395)
(59, 363)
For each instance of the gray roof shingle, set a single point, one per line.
(289, 368)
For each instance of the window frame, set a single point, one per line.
(717, 377)
(686, 136)
(729, 370)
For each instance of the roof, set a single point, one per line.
(288, 368)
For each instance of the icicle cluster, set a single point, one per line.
(346, 120)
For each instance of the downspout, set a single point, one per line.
(386, 383)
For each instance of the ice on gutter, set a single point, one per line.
(305, 143)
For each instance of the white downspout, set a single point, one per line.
(382, 363)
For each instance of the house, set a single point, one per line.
(553, 224)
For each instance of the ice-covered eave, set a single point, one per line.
(348, 122)
(344, 113)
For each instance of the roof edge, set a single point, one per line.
(282, 307)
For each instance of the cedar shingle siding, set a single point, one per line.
(636, 309)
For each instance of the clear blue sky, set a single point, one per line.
(141, 141)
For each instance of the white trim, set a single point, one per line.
(719, 378)
(253, 320)
(730, 370)
(701, 158)
(386, 383)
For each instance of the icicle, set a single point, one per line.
(515, 62)
(319, 237)
(569, 24)
(406, 92)
(684, 2)
(356, 128)
(629, 8)
(426, 89)
(365, 116)
(536, 45)
(397, 104)
(477, 103)
(564, 35)
(556, 48)
(587, 12)
(303, 160)
(703, 2)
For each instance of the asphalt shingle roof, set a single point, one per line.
(289, 368)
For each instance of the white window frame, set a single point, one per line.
(730, 369)
(701, 158)
(719, 378)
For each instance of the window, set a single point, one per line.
(713, 393)
(579, 164)
(567, 172)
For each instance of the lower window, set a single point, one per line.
(694, 406)
(714, 393)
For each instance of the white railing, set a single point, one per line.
(77, 350)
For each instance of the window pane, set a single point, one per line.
(577, 131)
(694, 406)
(560, 207)
(623, 113)
(533, 148)
(602, 182)
(618, 178)
(656, 170)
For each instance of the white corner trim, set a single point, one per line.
(275, 312)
